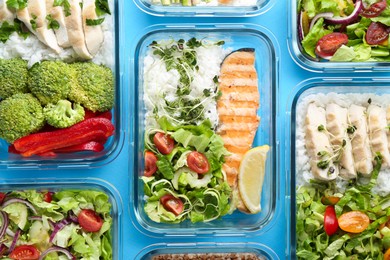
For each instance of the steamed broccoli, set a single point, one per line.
(20, 115)
(95, 88)
(62, 114)
(50, 81)
(13, 77)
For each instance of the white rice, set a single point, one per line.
(303, 173)
(33, 50)
(159, 82)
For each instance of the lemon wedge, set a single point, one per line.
(251, 177)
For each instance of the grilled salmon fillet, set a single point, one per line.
(237, 111)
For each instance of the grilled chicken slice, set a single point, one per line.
(377, 129)
(93, 34)
(318, 144)
(360, 141)
(57, 13)
(37, 14)
(74, 26)
(237, 111)
(5, 14)
(337, 125)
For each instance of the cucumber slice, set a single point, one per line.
(17, 213)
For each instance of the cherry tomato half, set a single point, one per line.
(163, 142)
(150, 163)
(354, 221)
(375, 9)
(198, 162)
(386, 256)
(48, 196)
(25, 252)
(329, 200)
(172, 204)
(89, 220)
(2, 197)
(330, 221)
(330, 43)
(377, 33)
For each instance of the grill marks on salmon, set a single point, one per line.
(237, 110)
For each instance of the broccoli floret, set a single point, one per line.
(50, 81)
(13, 77)
(62, 114)
(20, 115)
(95, 88)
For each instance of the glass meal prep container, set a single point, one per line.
(368, 58)
(250, 250)
(345, 92)
(53, 185)
(266, 52)
(112, 146)
(237, 8)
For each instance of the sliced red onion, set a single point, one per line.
(15, 200)
(301, 34)
(348, 19)
(14, 240)
(57, 249)
(4, 223)
(57, 227)
(318, 16)
(72, 217)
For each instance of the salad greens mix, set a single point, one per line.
(66, 224)
(365, 24)
(351, 239)
(205, 196)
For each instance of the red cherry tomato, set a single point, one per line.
(172, 204)
(163, 142)
(89, 220)
(150, 163)
(330, 221)
(198, 162)
(48, 196)
(375, 9)
(377, 33)
(25, 252)
(354, 221)
(2, 197)
(330, 43)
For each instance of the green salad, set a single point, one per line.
(349, 224)
(66, 224)
(345, 30)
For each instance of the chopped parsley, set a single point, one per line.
(6, 29)
(65, 4)
(94, 22)
(17, 4)
(52, 24)
(33, 22)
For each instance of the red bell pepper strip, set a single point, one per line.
(89, 146)
(92, 129)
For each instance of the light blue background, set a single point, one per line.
(132, 22)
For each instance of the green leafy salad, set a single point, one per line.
(66, 224)
(183, 178)
(349, 224)
(345, 30)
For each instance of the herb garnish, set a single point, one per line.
(321, 128)
(65, 4)
(17, 4)
(102, 7)
(351, 129)
(7, 29)
(94, 22)
(33, 22)
(52, 23)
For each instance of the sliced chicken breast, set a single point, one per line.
(93, 34)
(359, 138)
(6, 15)
(318, 144)
(74, 26)
(37, 12)
(57, 13)
(377, 129)
(337, 124)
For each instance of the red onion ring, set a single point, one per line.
(4, 223)
(57, 227)
(318, 16)
(14, 200)
(14, 240)
(57, 249)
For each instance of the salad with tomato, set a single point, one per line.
(345, 30)
(66, 224)
(350, 223)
